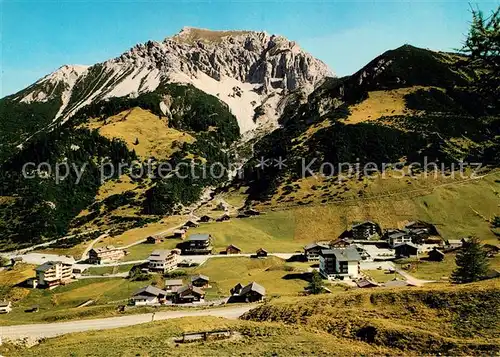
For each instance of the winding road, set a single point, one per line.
(60, 328)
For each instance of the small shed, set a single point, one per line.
(261, 253)
(223, 218)
(252, 212)
(436, 255)
(205, 219)
(191, 224)
(232, 249)
(180, 233)
(154, 240)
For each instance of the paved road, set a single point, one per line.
(45, 244)
(61, 328)
(375, 265)
(40, 258)
(91, 245)
(117, 275)
(412, 279)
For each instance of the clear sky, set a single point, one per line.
(39, 36)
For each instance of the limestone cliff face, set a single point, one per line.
(251, 71)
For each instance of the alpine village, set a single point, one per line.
(280, 254)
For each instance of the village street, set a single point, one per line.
(61, 328)
(40, 258)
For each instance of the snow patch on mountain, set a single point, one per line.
(240, 97)
(142, 79)
(44, 89)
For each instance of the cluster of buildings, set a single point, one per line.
(200, 244)
(340, 259)
(175, 291)
(252, 292)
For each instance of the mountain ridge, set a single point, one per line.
(203, 128)
(250, 65)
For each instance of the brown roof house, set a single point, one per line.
(261, 253)
(340, 243)
(105, 254)
(150, 295)
(200, 281)
(154, 240)
(189, 294)
(232, 249)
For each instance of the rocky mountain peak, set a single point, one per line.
(248, 70)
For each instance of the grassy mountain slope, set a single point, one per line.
(142, 132)
(445, 320)
(407, 105)
(192, 125)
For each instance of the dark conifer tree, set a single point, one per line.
(471, 261)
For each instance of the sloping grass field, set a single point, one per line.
(449, 320)
(272, 273)
(158, 339)
(61, 303)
